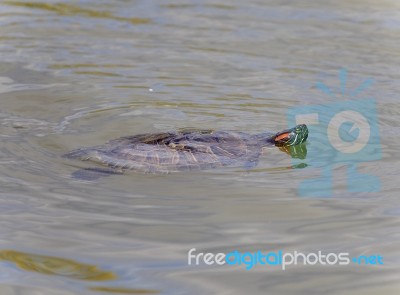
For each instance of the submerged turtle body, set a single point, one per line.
(187, 149)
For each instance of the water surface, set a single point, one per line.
(79, 73)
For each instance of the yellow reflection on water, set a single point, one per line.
(56, 266)
(124, 290)
(67, 9)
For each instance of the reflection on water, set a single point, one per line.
(296, 151)
(56, 266)
(67, 268)
(67, 9)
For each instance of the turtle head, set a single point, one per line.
(293, 136)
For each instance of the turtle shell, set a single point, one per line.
(186, 149)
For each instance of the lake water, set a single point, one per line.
(79, 73)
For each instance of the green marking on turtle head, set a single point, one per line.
(293, 136)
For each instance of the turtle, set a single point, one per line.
(185, 149)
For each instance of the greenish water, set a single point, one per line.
(79, 73)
